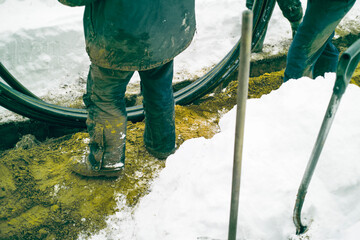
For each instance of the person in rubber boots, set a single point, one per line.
(123, 36)
(292, 11)
(312, 53)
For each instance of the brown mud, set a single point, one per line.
(40, 198)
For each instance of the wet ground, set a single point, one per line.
(40, 198)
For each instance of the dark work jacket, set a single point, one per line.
(135, 35)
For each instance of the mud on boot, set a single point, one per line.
(107, 150)
(82, 166)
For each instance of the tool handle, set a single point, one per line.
(346, 67)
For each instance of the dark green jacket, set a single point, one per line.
(135, 35)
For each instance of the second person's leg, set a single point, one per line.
(313, 35)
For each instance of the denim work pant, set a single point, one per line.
(107, 112)
(312, 53)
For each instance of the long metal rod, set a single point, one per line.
(242, 94)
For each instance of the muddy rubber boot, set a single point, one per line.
(114, 143)
(107, 151)
(81, 165)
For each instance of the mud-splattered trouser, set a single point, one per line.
(107, 113)
(312, 53)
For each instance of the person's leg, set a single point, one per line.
(327, 62)
(156, 86)
(291, 9)
(106, 120)
(320, 20)
(293, 12)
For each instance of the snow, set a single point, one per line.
(42, 45)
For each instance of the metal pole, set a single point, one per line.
(242, 93)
